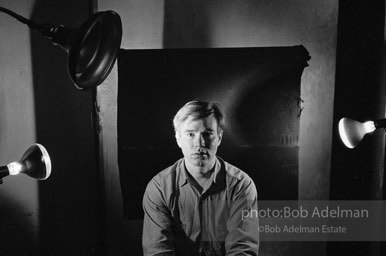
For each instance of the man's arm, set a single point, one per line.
(157, 238)
(243, 229)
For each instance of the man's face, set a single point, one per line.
(198, 140)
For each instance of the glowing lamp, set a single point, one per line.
(92, 48)
(352, 132)
(35, 162)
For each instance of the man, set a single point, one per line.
(195, 206)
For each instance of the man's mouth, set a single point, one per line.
(200, 154)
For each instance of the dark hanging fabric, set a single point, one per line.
(259, 89)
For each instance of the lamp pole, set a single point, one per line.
(3, 172)
(46, 30)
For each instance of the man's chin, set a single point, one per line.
(200, 162)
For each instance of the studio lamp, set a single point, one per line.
(35, 162)
(92, 48)
(352, 132)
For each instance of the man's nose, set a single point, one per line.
(199, 141)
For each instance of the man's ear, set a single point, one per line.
(177, 138)
(220, 133)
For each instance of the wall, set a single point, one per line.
(19, 202)
(236, 23)
(39, 103)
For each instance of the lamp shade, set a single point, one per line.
(92, 48)
(35, 163)
(352, 132)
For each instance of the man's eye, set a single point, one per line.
(190, 134)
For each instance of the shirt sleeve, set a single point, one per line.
(157, 237)
(243, 222)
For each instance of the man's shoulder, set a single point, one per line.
(234, 172)
(239, 181)
(163, 185)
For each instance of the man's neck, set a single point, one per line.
(200, 173)
(201, 176)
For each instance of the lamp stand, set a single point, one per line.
(3, 172)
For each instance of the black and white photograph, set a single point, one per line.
(192, 127)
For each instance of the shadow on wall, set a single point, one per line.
(68, 201)
(20, 235)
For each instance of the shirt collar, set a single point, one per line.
(183, 179)
(181, 173)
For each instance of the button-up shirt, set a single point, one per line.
(180, 219)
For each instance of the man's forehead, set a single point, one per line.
(209, 123)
